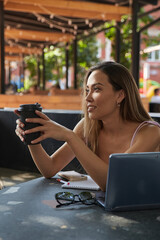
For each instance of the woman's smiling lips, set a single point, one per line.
(90, 108)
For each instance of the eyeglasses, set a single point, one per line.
(67, 198)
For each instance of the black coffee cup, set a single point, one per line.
(28, 111)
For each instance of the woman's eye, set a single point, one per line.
(87, 91)
(97, 89)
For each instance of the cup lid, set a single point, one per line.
(30, 107)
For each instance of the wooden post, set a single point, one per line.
(2, 69)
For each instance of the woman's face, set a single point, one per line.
(101, 98)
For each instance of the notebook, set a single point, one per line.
(72, 175)
(88, 184)
(133, 182)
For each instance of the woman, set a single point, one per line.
(115, 121)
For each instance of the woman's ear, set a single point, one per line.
(121, 96)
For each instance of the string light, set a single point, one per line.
(8, 27)
(18, 25)
(17, 48)
(73, 26)
(51, 16)
(42, 20)
(69, 22)
(51, 23)
(51, 47)
(87, 21)
(103, 16)
(85, 32)
(41, 46)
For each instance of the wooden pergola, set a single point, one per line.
(27, 26)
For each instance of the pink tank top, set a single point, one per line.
(140, 126)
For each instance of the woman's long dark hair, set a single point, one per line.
(131, 108)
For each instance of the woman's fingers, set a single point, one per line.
(42, 115)
(46, 127)
(19, 133)
(17, 112)
(20, 130)
(19, 123)
(35, 120)
(36, 129)
(43, 118)
(39, 139)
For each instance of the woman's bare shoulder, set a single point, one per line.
(154, 129)
(150, 130)
(149, 135)
(147, 139)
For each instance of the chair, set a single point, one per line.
(154, 107)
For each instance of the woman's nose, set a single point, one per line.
(89, 97)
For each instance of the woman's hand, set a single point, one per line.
(19, 128)
(48, 129)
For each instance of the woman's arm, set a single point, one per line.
(74, 146)
(47, 165)
(50, 165)
(93, 165)
(146, 140)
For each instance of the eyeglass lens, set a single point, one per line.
(64, 197)
(68, 198)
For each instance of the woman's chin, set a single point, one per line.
(92, 117)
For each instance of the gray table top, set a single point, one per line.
(27, 211)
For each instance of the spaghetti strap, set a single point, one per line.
(140, 126)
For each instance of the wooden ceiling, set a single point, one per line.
(34, 24)
(68, 8)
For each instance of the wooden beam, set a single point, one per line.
(77, 5)
(37, 36)
(13, 58)
(25, 20)
(23, 50)
(62, 12)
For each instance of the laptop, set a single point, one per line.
(133, 182)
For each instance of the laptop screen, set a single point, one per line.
(133, 182)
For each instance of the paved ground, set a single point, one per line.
(9, 177)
